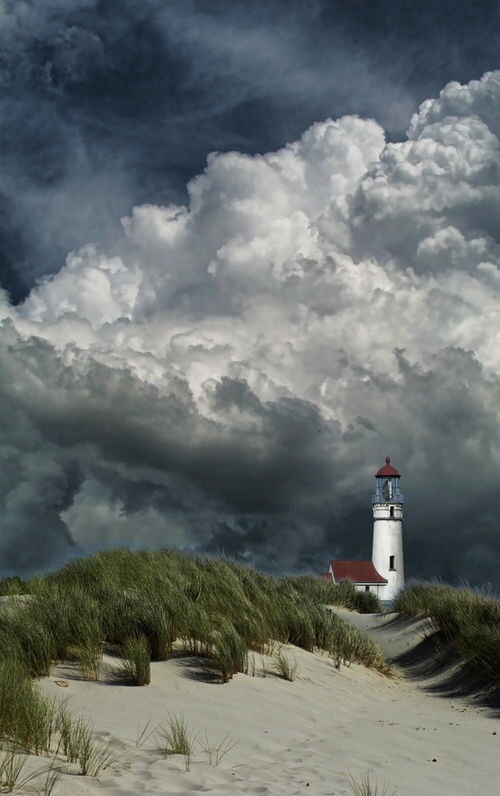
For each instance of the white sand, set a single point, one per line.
(291, 738)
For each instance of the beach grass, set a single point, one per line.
(139, 607)
(31, 723)
(13, 586)
(12, 776)
(27, 718)
(25, 637)
(139, 603)
(364, 786)
(216, 751)
(285, 666)
(462, 621)
(92, 754)
(342, 594)
(228, 650)
(175, 738)
(135, 667)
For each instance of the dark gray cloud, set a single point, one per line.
(151, 451)
(123, 462)
(102, 110)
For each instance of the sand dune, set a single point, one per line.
(291, 737)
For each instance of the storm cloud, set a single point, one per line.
(102, 110)
(224, 357)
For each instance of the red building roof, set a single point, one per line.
(356, 571)
(387, 469)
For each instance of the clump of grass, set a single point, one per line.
(145, 734)
(27, 718)
(88, 650)
(143, 611)
(229, 651)
(295, 621)
(11, 767)
(176, 739)
(12, 778)
(365, 787)
(463, 621)
(52, 776)
(479, 648)
(94, 754)
(195, 629)
(350, 645)
(286, 668)
(326, 592)
(136, 661)
(69, 614)
(31, 722)
(68, 734)
(156, 624)
(88, 657)
(217, 751)
(80, 746)
(29, 638)
(13, 586)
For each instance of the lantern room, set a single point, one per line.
(387, 485)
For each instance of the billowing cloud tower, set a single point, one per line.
(221, 378)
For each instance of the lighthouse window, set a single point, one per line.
(387, 490)
(391, 563)
(392, 511)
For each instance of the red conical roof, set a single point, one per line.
(387, 469)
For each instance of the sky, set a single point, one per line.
(248, 250)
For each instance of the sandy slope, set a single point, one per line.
(292, 738)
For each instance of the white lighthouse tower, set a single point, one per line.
(387, 551)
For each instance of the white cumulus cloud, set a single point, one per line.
(238, 372)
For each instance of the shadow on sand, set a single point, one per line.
(192, 666)
(197, 668)
(431, 662)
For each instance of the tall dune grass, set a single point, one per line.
(229, 651)
(29, 642)
(27, 718)
(464, 621)
(13, 585)
(138, 604)
(327, 593)
(32, 723)
(218, 608)
(136, 661)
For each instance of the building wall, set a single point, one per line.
(375, 588)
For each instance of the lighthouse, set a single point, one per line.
(387, 550)
(384, 575)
